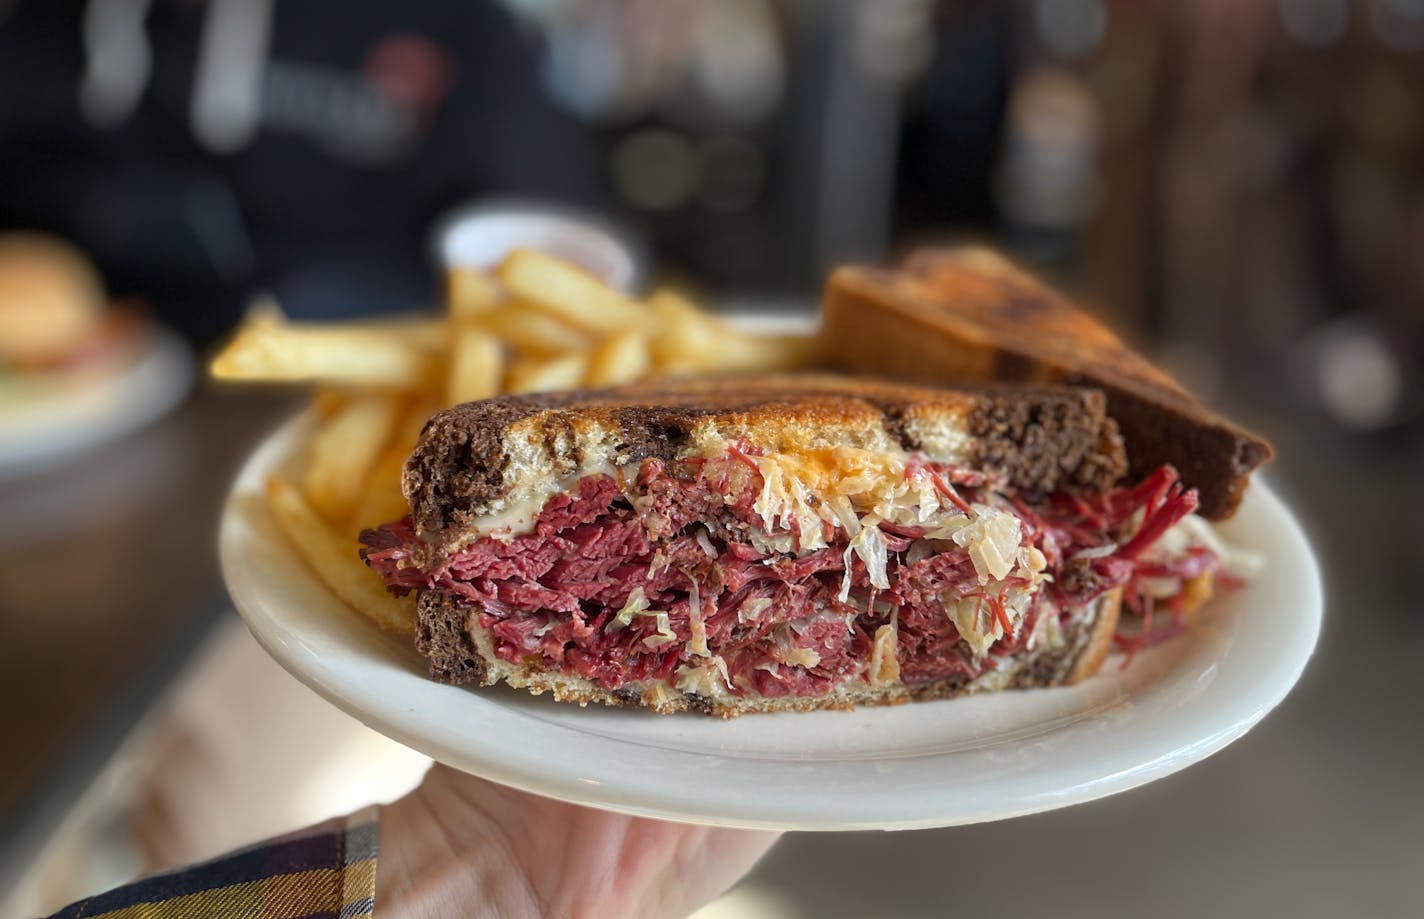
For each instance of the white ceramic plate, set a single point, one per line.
(920, 765)
(54, 425)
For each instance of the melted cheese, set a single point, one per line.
(884, 666)
(697, 641)
(637, 606)
(751, 610)
(517, 514)
(710, 680)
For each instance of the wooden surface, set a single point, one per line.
(103, 560)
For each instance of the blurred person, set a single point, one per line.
(201, 151)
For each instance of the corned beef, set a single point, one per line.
(553, 596)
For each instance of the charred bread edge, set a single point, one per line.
(460, 652)
(881, 321)
(1211, 454)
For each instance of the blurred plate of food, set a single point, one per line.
(76, 371)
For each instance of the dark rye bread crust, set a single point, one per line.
(1038, 438)
(950, 316)
(442, 634)
(1210, 454)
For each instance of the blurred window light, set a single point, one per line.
(893, 38)
(1070, 29)
(1383, 112)
(1317, 23)
(655, 169)
(584, 70)
(1360, 381)
(1049, 174)
(227, 96)
(118, 60)
(539, 11)
(739, 67)
(732, 174)
(227, 99)
(1398, 24)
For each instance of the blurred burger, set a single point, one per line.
(52, 303)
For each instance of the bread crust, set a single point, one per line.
(1099, 639)
(956, 315)
(1197, 591)
(1036, 437)
(1085, 644)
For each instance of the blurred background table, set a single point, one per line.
(110, 582)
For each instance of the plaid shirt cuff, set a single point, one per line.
(327, 871)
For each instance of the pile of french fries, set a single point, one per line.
(532, 324)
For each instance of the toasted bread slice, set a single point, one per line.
(951, 316)
(497, 456)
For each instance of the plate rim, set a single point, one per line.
(519, 767)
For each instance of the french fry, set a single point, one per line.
(567, 291)
(740, 351)
(685, 343)
(622, 357)
(534, 324)
(667, 304)
(328, 400)
(722, 352)
(414, 417)
(382, 500)
(264, 310)
(533, 333)
(335, 559)
(471, 293)
(423, 333)
(691, 341)
(476, 366)
(530, 375)
(343, 452)
(273, 351)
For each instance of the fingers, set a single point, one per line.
(565, 856)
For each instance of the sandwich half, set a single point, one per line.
(951, 316)
(761, 544)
